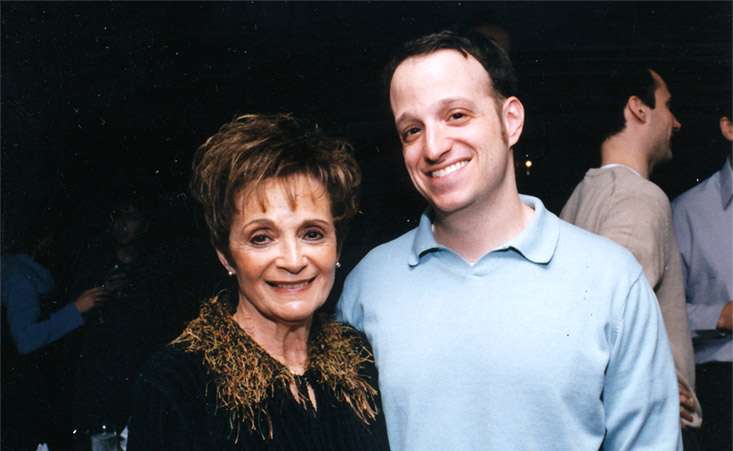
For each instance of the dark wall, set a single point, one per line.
(95, 94)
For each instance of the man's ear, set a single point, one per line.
(637, 109)
(513, 117)
(225, 262)
(726, 128)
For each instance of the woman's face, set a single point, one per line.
(283, 250)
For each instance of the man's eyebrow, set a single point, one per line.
(451, 100)
(406, 116)
(443, 103)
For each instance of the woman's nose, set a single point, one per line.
(291, 256)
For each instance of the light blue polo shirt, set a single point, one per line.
(552, 341)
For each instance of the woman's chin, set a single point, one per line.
(296, 312)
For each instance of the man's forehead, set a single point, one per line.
(445, 73)
(661, 85)
(441, 58)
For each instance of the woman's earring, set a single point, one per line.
(338, 265)
(230, 272)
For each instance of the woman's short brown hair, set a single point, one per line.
(256, 147)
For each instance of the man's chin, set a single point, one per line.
(446, 207)
(664, 155)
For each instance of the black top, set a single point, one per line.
(177, 406)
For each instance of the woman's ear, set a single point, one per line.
(225, 263)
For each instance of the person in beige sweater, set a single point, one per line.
(619, 202)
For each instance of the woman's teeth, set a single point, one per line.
(290, 286)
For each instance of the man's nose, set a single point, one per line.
(676, 124)
(437, 143)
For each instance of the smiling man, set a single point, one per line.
(494, 324)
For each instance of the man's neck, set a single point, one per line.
(623, 149)
(477, 229)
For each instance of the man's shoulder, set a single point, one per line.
(586, 246)
(391, 252)
(630, 194)
(630, 185)
(695, 195)
(619, 186)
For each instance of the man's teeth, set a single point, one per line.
(449, 169)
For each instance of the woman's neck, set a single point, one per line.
(286, 343)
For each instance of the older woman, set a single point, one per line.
(257, 369)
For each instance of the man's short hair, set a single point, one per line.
(624, 81)
(493, 58)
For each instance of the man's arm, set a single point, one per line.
(701, 316)
(642, 223)
(23, 304)
(641, 394)
(725, 322)
(348, 308)
(638, 223)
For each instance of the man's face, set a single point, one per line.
(663, 122)
(453, 133)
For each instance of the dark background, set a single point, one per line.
(95, 95)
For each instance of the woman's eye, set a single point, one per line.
(313, 235)
(259, 240)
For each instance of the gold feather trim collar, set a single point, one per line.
(246, 376)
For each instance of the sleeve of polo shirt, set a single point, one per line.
(640, 396)
(348, 308)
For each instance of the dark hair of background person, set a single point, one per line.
(256, 147)
(492, 57)
(611, 95)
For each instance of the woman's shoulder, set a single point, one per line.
(339, 345)
(344, 359)
(341, 336)
(172, 368)
(343, 327)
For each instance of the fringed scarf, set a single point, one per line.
(246, 376)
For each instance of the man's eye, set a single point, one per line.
(313, 235)
(457, 116)
(412, 131)
(260, 239)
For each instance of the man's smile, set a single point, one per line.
(451, 168)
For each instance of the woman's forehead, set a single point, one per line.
(291, 190)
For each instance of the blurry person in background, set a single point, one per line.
(618, 201)
(34, 317)
(703, 221)
(259, 369)
(129, 262)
